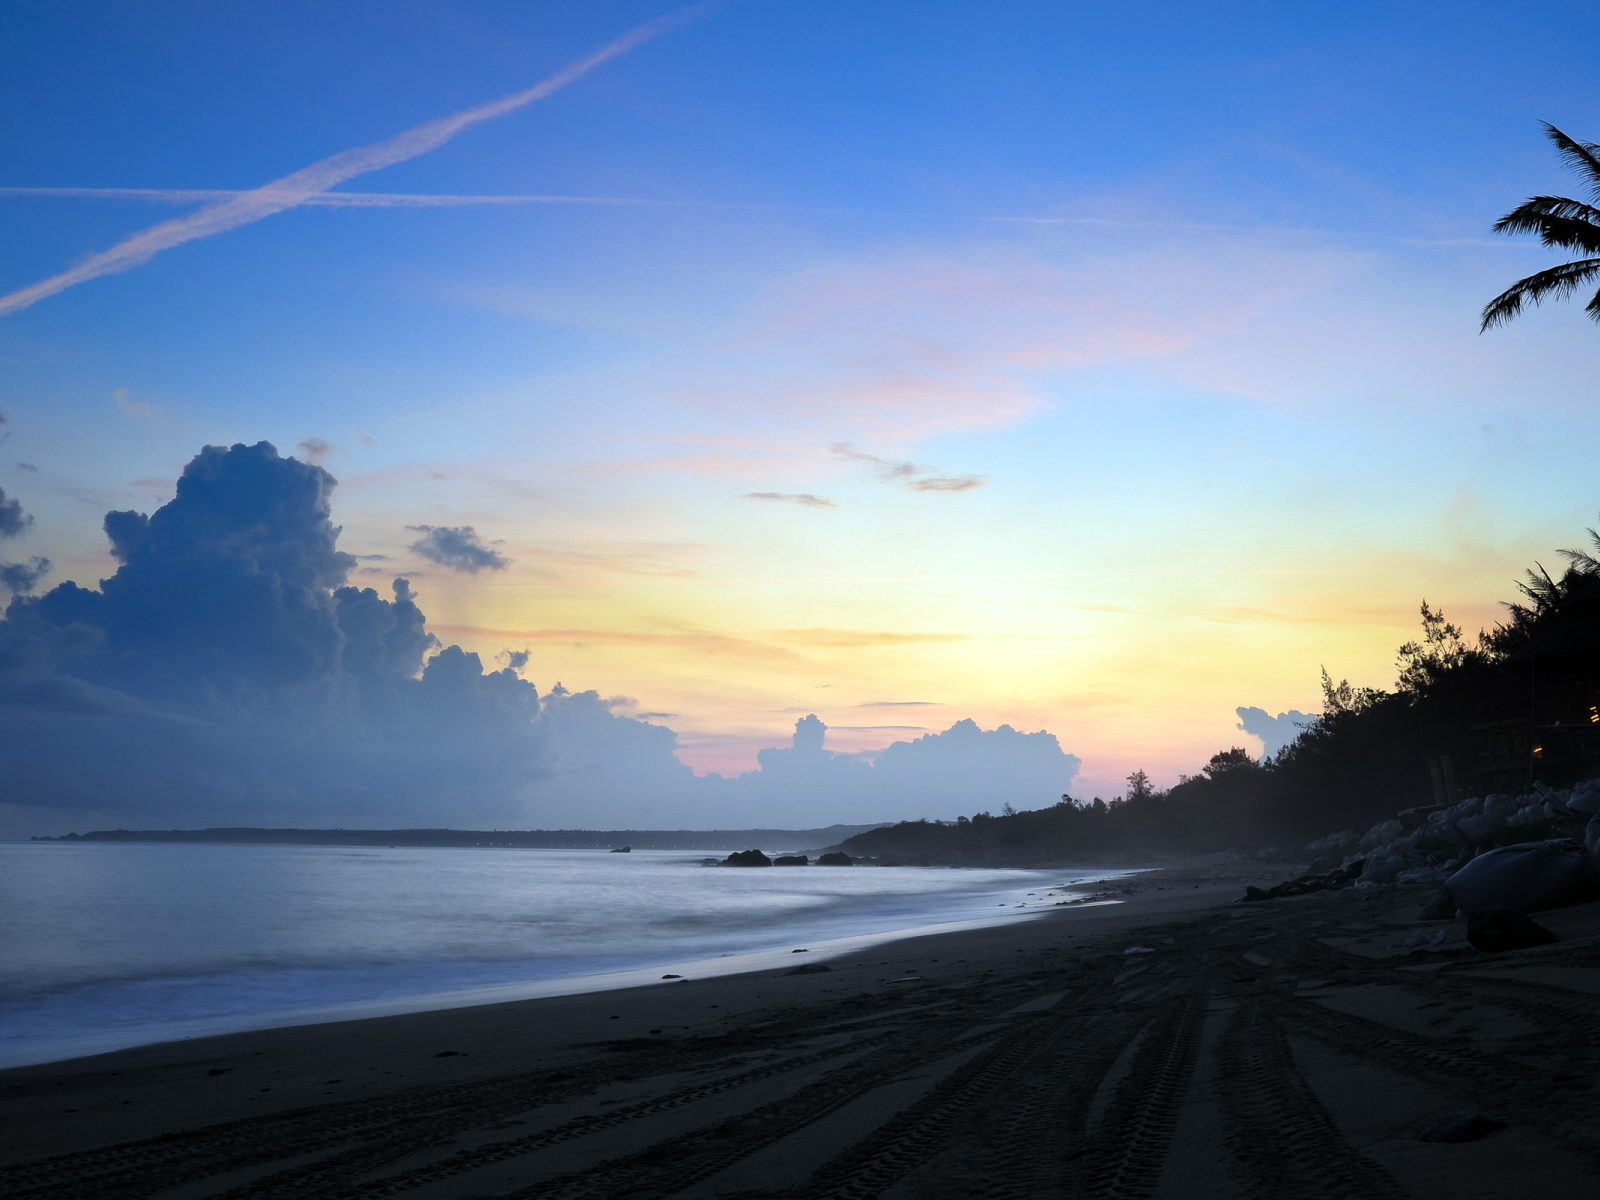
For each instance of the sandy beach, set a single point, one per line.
(1292, 1047)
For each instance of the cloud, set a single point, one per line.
(1275, 732)
(294, 189)
(938, 774)
(226, 673)
(385, 199)
(18, 578)
(13, 521)
(22, 578)
(21, 466)
(864, 637)
(912, 475)
(125, 405)
(804, 499)
(457, 547)
(314, 449)
(948, 483)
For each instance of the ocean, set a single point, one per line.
(108, 945)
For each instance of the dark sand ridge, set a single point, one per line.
(1274, 1049)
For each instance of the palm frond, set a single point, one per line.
(1570, 224)
(1582, 157)
(1583, 561)
(1558, 282)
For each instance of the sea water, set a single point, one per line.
(107, 945)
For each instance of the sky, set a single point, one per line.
(1072, 368)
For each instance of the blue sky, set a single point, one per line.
(1189, 291)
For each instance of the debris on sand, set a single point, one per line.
(1502, 929)
(1460, 1127)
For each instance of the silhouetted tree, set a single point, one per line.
(1560, 222)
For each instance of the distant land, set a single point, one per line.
(527, 839)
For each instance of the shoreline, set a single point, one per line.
(1298, 1043)
(299, 1054)
(688, 961)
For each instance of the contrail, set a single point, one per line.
(371, 199)
(294, 190)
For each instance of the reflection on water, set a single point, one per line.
(117, 944)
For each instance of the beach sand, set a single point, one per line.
(1278, 1049)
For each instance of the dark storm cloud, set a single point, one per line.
(227, 674)
(457, 547)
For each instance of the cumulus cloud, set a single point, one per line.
(458, 548)
(515, 659)
(18, 578)
(915, 476)
(940, 774)
(804, 499)
(13, 521)
(1275, 732)
(22, 578)
(226, 673)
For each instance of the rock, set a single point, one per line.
(448, 1054)
(1501, 929)
(623, 850)
(1527, 877)
(1460, 1127)
(808, 969)
(747, 858)
(791, 860)
(835, 858)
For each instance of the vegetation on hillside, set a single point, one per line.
(1535, 675)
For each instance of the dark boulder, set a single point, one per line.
(791, 860)
(1527, 877)
(834, 858)
(1507, 929)
(809, 969)
(747, 858)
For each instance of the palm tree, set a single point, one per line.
(1570, 224)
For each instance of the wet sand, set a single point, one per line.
(1257, 1050)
